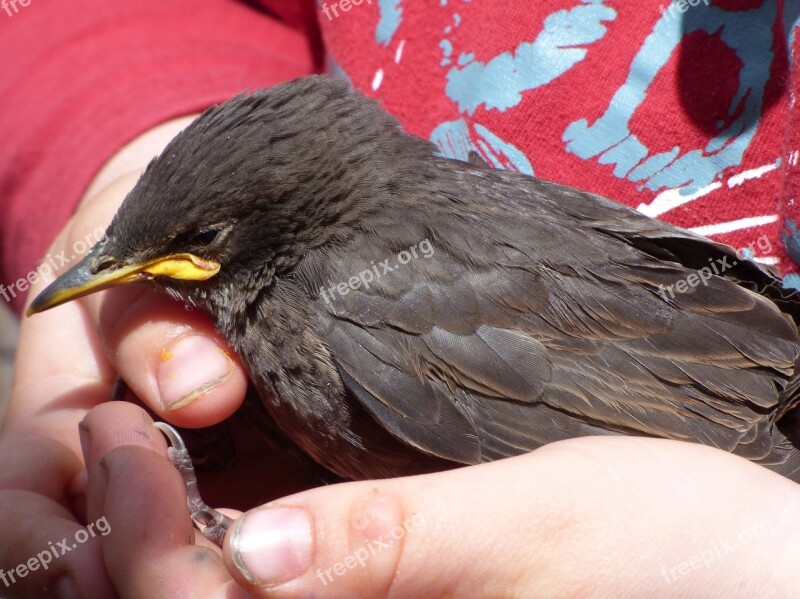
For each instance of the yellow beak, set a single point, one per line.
(82, 279)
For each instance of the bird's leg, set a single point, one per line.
(209, 521)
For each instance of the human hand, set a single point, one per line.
(600, 516)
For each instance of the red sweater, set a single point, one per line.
(683, 111)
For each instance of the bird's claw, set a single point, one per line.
(211, 523)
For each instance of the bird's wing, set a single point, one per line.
(543, 322)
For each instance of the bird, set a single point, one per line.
(402, 312)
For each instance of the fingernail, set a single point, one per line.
(190, 368)
(272, 545)
(65, 587)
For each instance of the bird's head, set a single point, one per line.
(244, 192)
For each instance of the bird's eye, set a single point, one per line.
(206, 237)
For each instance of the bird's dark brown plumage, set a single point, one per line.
(538, 317)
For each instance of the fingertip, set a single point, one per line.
(199, 380)
(271, 546)
(344, 540)
(152, 544)
(113, 424)
(173, 360)
(105, 428)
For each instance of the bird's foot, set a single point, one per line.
(212, 524)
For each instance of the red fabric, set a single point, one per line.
(790, 194)
(686, 104)
(81, 78)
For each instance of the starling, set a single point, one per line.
(401, 312)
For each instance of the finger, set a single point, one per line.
(44, 552)
(41, 448)
(106, 427)
(151, 552)
(58, 378)
(558, 522)
(172, 359)
(36, 542)
(57, 360)
(149, 548)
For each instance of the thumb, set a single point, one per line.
(610, 515)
